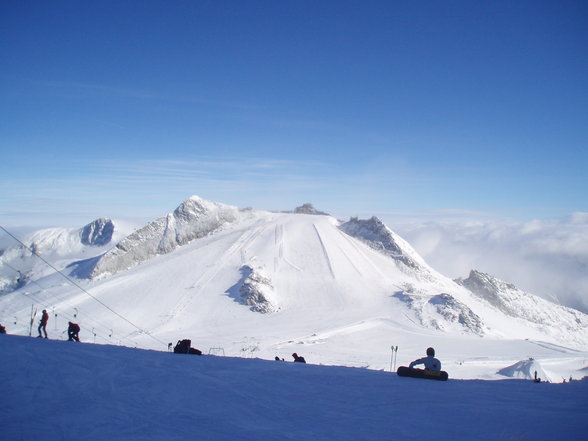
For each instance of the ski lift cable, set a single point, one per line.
(68, 316)
(74, 283)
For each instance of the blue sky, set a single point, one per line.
(124, 109)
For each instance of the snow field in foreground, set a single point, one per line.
(56, 390)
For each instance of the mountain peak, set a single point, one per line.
(97, 233)
(308, 208)
(381, 238)
(192, 219)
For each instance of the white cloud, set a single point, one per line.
(548, 258)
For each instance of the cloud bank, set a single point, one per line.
(548, 258)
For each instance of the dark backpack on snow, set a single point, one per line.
(183, 346)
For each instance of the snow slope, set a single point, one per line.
(254, 283)
(62, 391)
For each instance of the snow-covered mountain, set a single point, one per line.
(257, 283)
(60, 246)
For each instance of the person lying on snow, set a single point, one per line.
(430, 362)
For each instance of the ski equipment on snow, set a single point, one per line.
(404, 371)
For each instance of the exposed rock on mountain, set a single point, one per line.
(257, 290)
(308, 208)
(379, 237)
(441, 311)
(193, 219)
(514, 302)
(97, 233)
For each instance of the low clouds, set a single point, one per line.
(548, 258)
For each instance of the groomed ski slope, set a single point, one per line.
(335, 299)
(63, 391)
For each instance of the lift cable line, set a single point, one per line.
(74, 283)
(69, 317)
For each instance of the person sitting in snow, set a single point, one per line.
(430, 362)
(298, 358)
(72, 332)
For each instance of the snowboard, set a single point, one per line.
(404, 371)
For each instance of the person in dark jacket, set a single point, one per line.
(298, 358)
(430, 362)
(43, 323)
(72, 332)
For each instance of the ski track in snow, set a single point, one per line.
(325, 253)
(241, 244)
(362, 254)
(279, 242)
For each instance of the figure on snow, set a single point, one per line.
(298, 358)
(72, 332)
(430, 362)
(43, 323)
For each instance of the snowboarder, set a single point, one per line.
(72, 332)
(298, 358)
(430, 362)
(43, 323)
(2, 330)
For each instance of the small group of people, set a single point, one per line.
(73, 329)
(297, 358)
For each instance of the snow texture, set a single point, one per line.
(525, 369)
(61, 391)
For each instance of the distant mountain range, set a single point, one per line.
(214, 270)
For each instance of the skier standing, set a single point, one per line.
(43, 323)
(430, 362)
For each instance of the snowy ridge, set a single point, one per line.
(61, 246)
(535, 311)
(193, 219)
(381, 238)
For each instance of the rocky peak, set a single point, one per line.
(308, 208)
(97, 233)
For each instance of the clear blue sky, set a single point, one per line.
(125, 108)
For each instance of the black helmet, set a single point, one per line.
(431, 352)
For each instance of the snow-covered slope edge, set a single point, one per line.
(562, 322)
(112, 393)
(193, 219)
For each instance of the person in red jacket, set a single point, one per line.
(43, 323)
